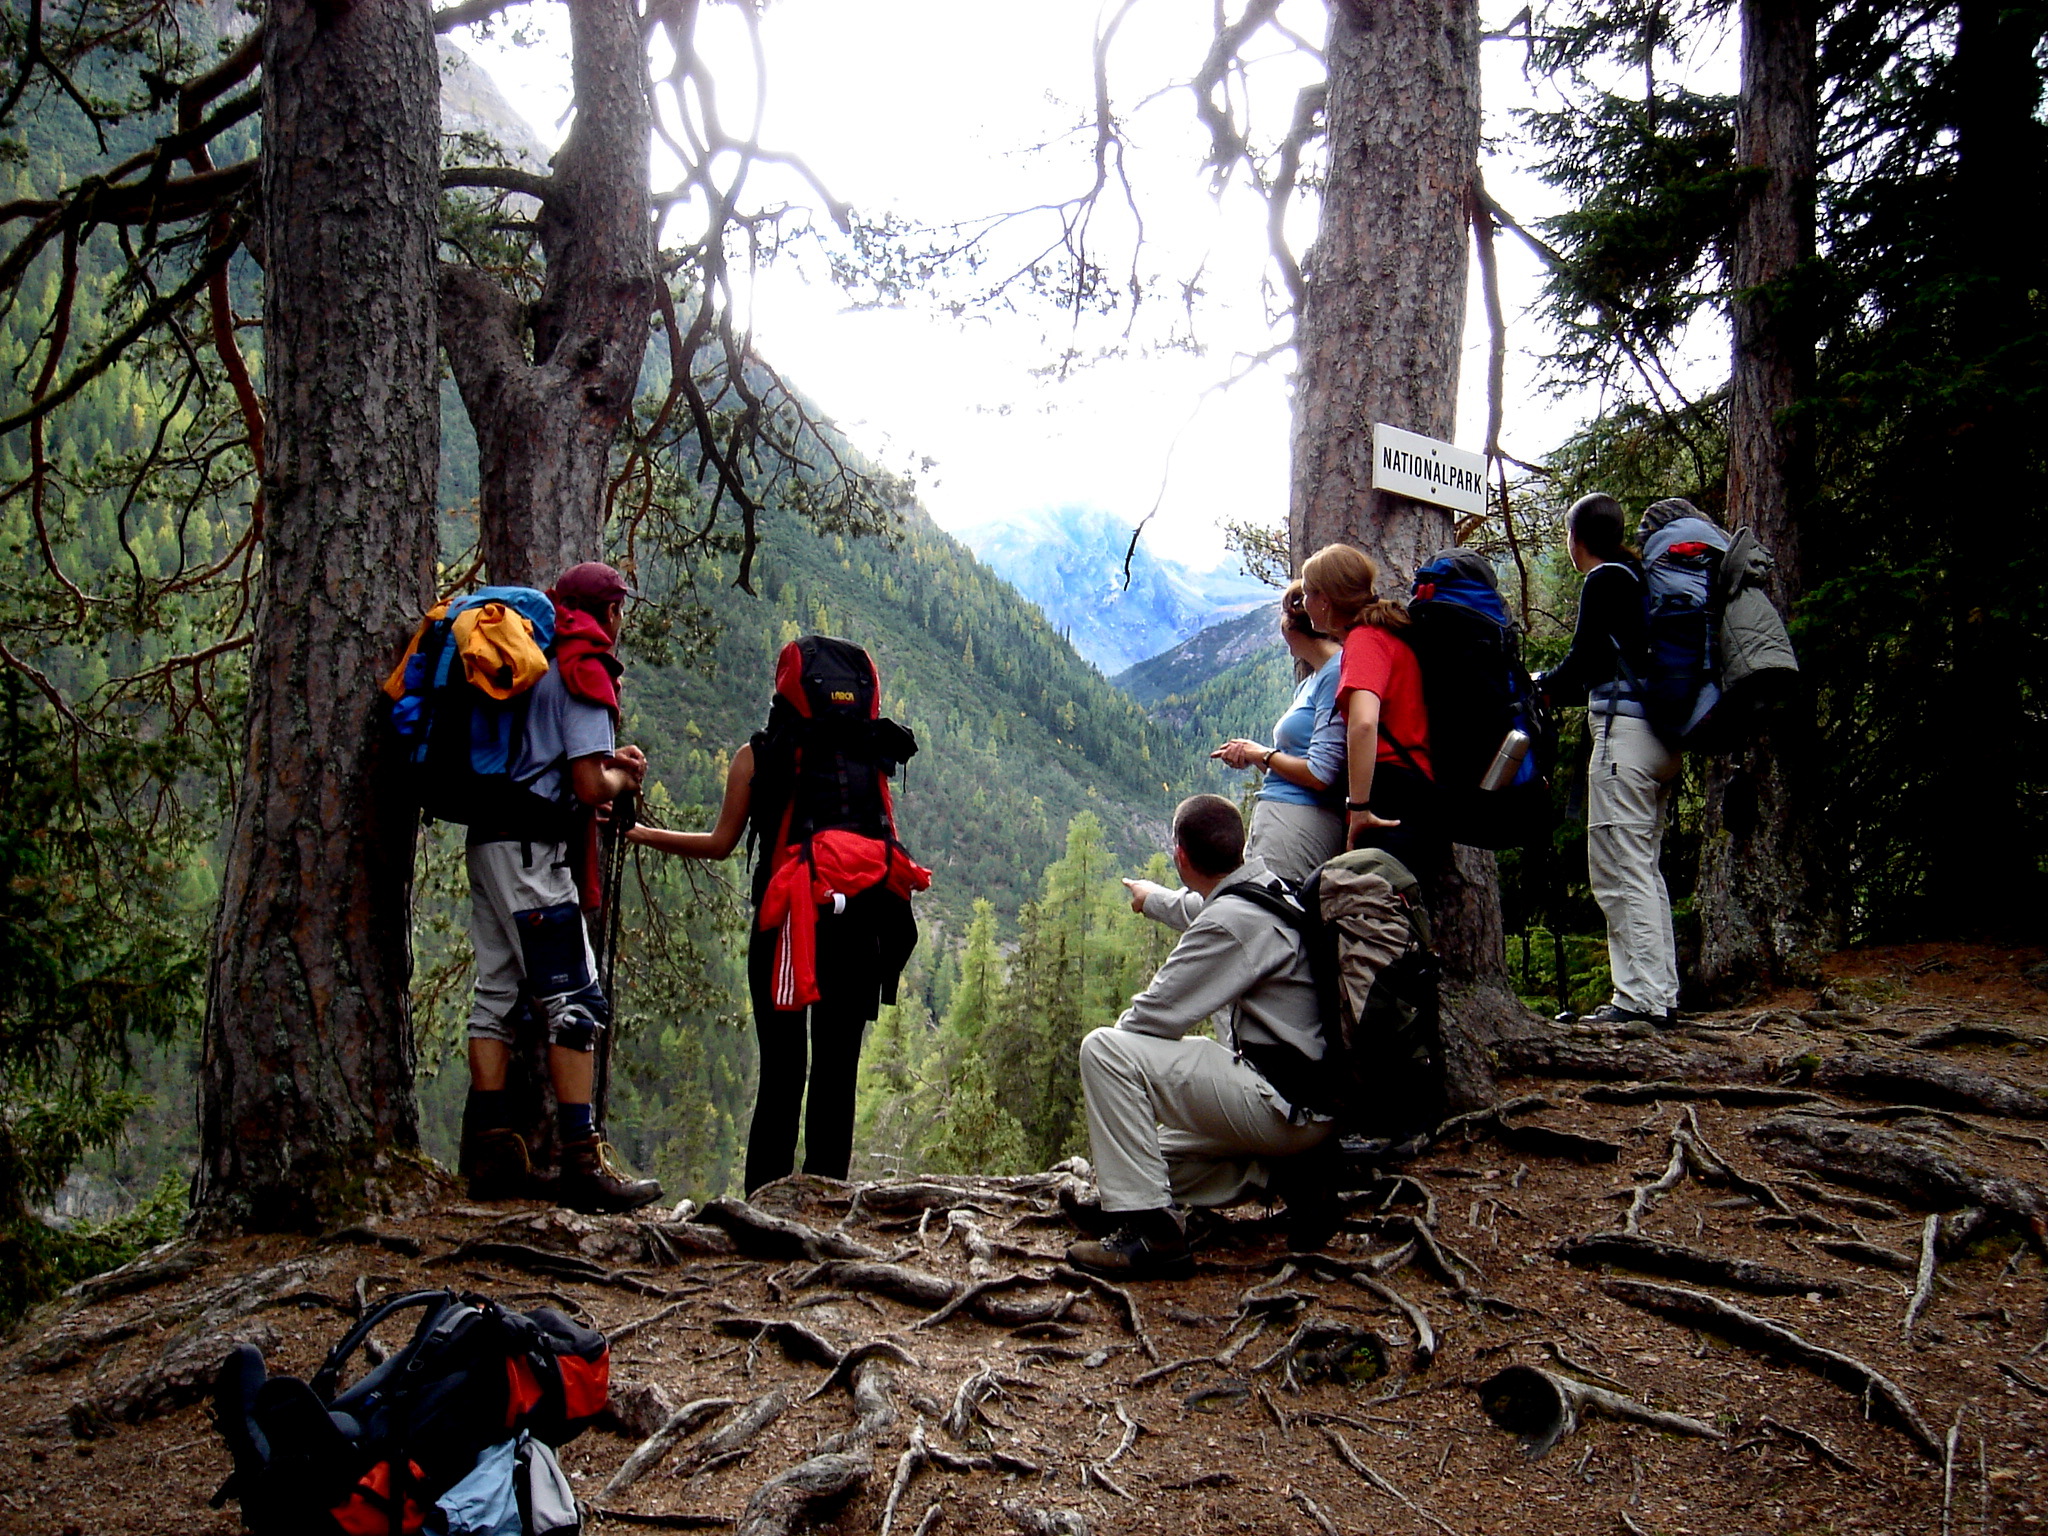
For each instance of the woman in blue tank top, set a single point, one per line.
(1298, 816)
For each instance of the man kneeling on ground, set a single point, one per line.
(1174, 1119)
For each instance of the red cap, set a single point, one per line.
(592, 581)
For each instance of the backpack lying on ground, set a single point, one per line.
(1718, 651)
(1362, 919)
(372, 1460)
(459, 698)
(1477, 691)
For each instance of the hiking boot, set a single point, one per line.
(1308, 1183)
(500, 1167)
(1088, 1215)
(1150, 1245)
(1614, 1013)
(593, 1182)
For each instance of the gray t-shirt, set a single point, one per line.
(559, 729)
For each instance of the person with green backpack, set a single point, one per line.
(1634, 769)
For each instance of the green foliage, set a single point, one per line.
(99, 947)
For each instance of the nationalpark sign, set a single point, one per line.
(1409, 464)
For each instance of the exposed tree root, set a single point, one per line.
(785, 1500)
(1543, 1408)
(794, 1339)
(178, 1259)
(1902, 1166)
(1650, 1256)
(860, 1354)
(1624, 1061)
(661, 1522)
(1935, 1083)
(1855, 1205)
(1868, 1253)
(1033, 1521)
(1813, 1443)
(1923, 1283)
(965, 1414)
(1358, 1275)
(2014, 1373)
(1125, 1304)
(1697, 1309)
(1352, 1460)
(1308, 1505)
(760, 1235)
(1733, 1095)
(735, 1432)
(648, 1454)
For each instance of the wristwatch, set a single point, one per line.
(1357, 805)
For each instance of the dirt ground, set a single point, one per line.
(1251, 1444)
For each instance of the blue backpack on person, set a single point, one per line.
(1478, 692)
(459, 700)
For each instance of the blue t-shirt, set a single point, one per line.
(1312, 728)
(559, 729)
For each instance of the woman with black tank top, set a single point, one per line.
(1632, 773)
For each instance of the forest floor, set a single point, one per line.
(1304, 1396)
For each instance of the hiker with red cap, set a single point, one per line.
(526, 921)
(832, 920)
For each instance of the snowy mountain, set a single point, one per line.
(1070, 562)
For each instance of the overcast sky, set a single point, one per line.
(944, 110)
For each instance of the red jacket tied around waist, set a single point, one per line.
(832, 863)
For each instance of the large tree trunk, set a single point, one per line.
(546, 418)
(1378, 337)
(1982, 877)
(307, 1079)
(548, 386)
(1769, 907)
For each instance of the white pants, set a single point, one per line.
(1181, 1121)
(1628, 792)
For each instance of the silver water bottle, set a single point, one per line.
(1507, 761)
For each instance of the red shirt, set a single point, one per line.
(1377, 661)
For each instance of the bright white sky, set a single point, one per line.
(944, 110)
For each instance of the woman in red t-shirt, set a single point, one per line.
(1392, 801)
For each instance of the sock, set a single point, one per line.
(488, 1109)
(574, 1121)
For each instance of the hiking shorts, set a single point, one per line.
(527, 929)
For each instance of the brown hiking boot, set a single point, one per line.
(1149, 1246)
(593, 1182)
(500, 1167)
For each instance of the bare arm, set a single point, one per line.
(1361, 755)
(732, 817)
(600, 778)
(1240, 753)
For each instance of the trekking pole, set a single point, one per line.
(611, 884)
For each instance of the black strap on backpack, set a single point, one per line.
(1301, 1082)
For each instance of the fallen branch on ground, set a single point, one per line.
(1812, 1442)
(1544, 1407)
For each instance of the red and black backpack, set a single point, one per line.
(825, 760)
(371, 1459)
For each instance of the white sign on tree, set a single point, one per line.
(1409, 464)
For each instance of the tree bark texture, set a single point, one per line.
(1378, 338)
(1769, 907)
(548, 385)
(307, 1075)
(1981, 878)
(1384, 308)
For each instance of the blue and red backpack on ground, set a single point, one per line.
(1477, 691)
(371, 1460)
